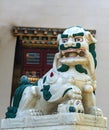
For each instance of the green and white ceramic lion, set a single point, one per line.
(68, 87)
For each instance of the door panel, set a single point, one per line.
(33, 58)
(48, 58)
(37, 62)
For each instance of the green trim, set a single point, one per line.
(78, 34)
(36, 83)
(66, 91)
(64, 35)
(44, 79)
(18, 94)
(61, 47)
(63, 68)
(12, 110)
(72, 109)
(46, 93)
(80, 69)
(93, 52)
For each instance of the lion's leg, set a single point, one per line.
(89, 103)
(71, 106)
(72, 102)
(28, 101)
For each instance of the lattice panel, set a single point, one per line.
(39, 37)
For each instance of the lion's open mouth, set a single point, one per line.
(73, 53)
(73, 56)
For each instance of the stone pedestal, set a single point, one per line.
(64, 121)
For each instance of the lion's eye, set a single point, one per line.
(78, 39)
(64, 40)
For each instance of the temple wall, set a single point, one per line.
(51, 13)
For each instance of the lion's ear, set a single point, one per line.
(89, 38)
(58, 38)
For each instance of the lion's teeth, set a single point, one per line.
(64, 57)
(73, 54)
(81, 54)
(63, 52)
(78, 56)
(78, 51)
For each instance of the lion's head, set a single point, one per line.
(76, 48)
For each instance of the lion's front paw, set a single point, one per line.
(71, 106)
(35, 112)
(29, 112)
(88, 89)
(74, 93)
(96, 111)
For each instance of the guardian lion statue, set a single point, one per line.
(69, 86)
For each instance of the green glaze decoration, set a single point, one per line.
(64, 35)
(66, 91)
(63, 68)
(36, 83)
(80, 69)
(12, 110)
(44, 79)
(93, 52)
(72, 109)
(46, 93)
(78, 34)
(61, 47)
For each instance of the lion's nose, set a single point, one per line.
(70, 43)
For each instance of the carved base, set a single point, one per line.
(64, 121)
